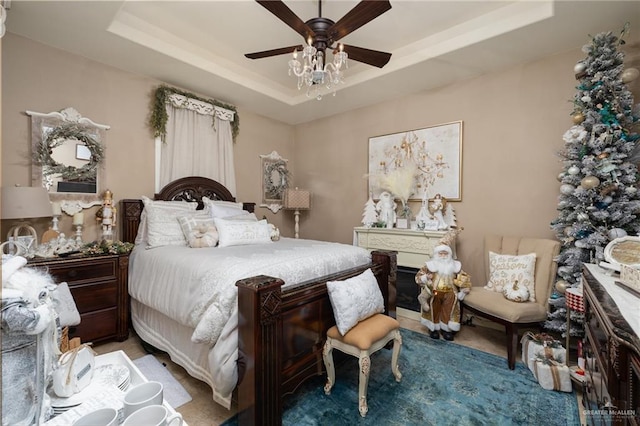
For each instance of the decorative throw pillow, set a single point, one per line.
(505, 269)
(242, 232)
(516, 292)
(162, 226)
(199, 230)
(354, 300)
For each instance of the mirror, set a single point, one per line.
(68, 154)
(275, 180)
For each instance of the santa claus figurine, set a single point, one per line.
(443, 285)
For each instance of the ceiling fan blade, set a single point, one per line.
(367, 56)
(363, 12)
(273, 52)
(286, 15)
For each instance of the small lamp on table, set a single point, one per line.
(25, 202)
(297, 199)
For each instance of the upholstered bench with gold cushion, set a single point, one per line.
(361, 337)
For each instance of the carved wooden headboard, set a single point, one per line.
(191, 189)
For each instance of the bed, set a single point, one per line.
(276, 340)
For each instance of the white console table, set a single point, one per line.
(414, 248)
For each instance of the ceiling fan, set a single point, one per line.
(323, 33)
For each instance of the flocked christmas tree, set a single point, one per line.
(599, 199)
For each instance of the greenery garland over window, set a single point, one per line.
(159, 115)
(58, 136)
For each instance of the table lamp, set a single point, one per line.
(25, 202)
(297, 199)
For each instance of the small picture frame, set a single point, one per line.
(83, 152)
(402, 223)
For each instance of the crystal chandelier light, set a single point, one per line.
(314, 73)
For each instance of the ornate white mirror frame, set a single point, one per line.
(81, 142)
(275, 180)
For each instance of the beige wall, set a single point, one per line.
(513, 126)
(40, 78)
(513, 122)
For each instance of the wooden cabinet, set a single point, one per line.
(99, 287)
(612, 351)
(414, 249)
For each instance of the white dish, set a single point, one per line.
(103, 375)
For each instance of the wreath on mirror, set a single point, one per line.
(58, 136)
(276, 191)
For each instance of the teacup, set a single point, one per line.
(101, 417)
(153, 415)
(143, 395)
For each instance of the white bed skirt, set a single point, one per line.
(168, 335)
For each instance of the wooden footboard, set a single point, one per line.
(281, 334)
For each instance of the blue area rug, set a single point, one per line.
(443, 383)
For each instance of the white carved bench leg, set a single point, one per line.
(327, 356)
(397, 344)
(365, 367)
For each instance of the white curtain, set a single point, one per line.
(195, 147)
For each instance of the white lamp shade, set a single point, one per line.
(25, 202)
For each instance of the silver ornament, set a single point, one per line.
(567, 189)
(585, 99)
(616, 233)
(573, 170)
(579, 67)
(582, 216)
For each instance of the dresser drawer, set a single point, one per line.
(92, 297)
(87, 271)
(96, 326)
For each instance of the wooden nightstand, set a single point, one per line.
(99, 285)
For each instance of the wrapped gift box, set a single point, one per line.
(552, 375)
(543, 345)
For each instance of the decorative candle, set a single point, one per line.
(78, 218)
(57, 211)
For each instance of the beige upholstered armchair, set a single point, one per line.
(496, 307)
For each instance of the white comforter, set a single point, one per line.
(196, 287)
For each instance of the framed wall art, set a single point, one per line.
(435, 152)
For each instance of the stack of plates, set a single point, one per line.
(103, 375)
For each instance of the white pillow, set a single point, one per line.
(243, 216)
(505, 269)
(209, 202)
(199, 230)
(143, 234)
(162, 225)
(223, 209)
(355, 299)
(242, 232)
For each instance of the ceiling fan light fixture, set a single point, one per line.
(313, 73)
(320, 34)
